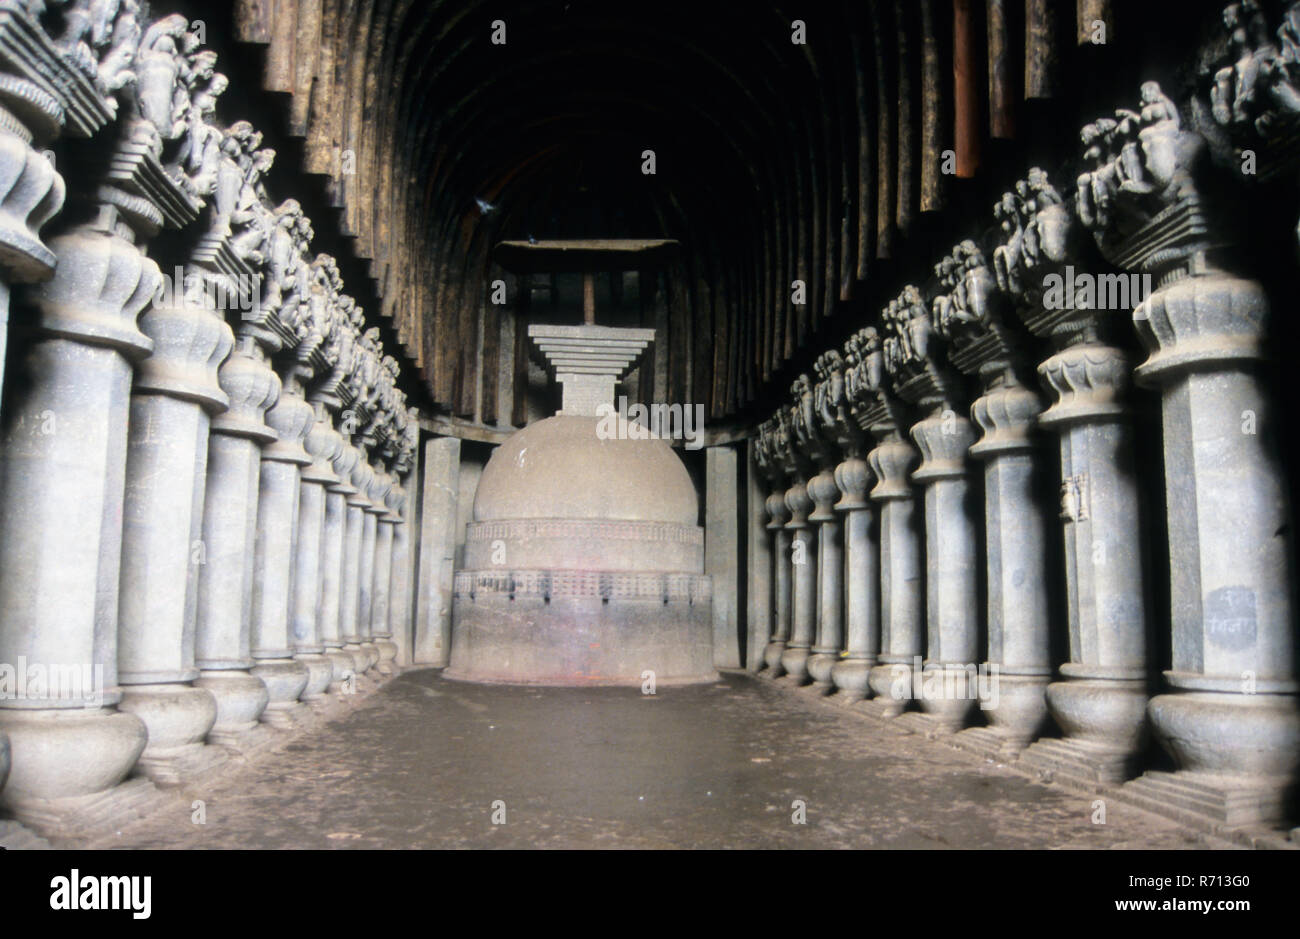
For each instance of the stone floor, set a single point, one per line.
(421, 763)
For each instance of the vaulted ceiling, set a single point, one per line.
(775, 160)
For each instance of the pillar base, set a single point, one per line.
(946, 697)
(285, 680)
(67, 754)
(343, 671)
(1230, 735)
(82, 817)
(371, 652)
(988, 743)
(892, 684)
(177, 718)
(320, 672)
(359, 657)
(241, 698)
(819, 665)
(794, 660)
(772, 659)
(1101, 712)
(852, 677)
(1020, 715)
(1205, 800)
(387, 664)
(245, 742)
(1079, 764)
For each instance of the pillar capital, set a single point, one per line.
(1200, 323)
(1088, 382)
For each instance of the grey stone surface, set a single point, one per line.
(705, 766)
(437, 551)
(722, 552)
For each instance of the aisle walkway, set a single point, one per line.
(427, 762)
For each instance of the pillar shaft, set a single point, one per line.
(1230, 720)
(901, 574)
(277, 532)
(862, 582)
(162, 547)
(1016, 532)
(62, 474)
(803, 586)
(829, 634)
(1101, 703)
(225, 578)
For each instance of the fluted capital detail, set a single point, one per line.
(945, 440)
(799, 503)
(344, 465)
(852, 477)
(395, 501)
(1198, 323)
(323, 444)
(778, 512)
(892, 463)
(377, 488)
(190, 341)
(251, 387)
(291, 418)
(824, 494)
(1007, 418)
(101, 285)
(1087, 382)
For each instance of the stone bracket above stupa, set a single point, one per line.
(587, 361)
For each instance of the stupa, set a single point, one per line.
(584, 562)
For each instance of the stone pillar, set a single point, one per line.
(947, 687)
(722, 552)
(901, 574)
(336, 575)
(1016, 530)
(399, 586)
(385, 648)
(1101, 703)
(948, 694)
(349, 604)
(758, 564)
(437, 550)
(277, 529)
(985, 342)
(366, 566)
(225, 589)
(323, 444)
(1230, 719)
(782, 582)
(62, 474)
(803, 591)
(163, 552)
(830, 582)
(862, 581)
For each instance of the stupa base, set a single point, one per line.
(582, 628)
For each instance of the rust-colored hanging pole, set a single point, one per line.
(932, 113)
(1041, 52)
(884, 140)
(906, 206)
(966, 143)
(1090, 13)
(1002, 122)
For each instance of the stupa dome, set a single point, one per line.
(563, 468)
